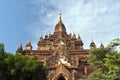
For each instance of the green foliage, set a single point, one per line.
(96, 57)
(107, 61)
(112, 62)
(3, 55)
(98, 75)
(1, 47)
(20, 67)
(114, 43)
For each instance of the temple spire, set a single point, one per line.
(60, 19)
(101, 45)
(41, 38)
(92, 45)
(60, 27)
(20, 47)
(79, 38)
(28, 45)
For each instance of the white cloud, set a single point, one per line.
(97, 19)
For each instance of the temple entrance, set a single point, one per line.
(61, 78)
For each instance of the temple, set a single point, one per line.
(62, 53)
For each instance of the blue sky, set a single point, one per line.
(21, 20)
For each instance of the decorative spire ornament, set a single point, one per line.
(20, 47)
(92, 45)
(101, 45)
(60, 19)
(29, 46)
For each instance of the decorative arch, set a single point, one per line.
(61, 71)
(61, 77)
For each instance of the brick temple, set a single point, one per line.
(62, 53)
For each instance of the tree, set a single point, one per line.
(3, 66)
(112, 60)
(24, 68)
(112, 63)
(20, 67)
(107, 62)
(99, 75)
(96, 57)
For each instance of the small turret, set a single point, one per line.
(92, 45)
(73, 37)
(29, 46)
(101, 45)
(80, 40)
(20, 48)
(49, 35)
(46, 36)
(70, 35)
(41, 38)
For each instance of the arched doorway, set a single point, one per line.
(61, 78)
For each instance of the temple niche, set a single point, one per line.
(62, 53)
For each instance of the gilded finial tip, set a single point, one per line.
(60, 20)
